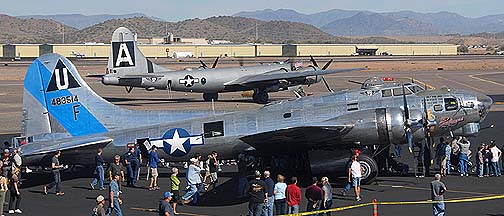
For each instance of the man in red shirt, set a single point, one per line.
(293, 194)
(314, 195)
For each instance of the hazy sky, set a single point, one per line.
(174, 10)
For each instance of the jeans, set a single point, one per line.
(280, 206)
(496, 169)
(116, 209)
(310, 207)
(438, 209)
(480, 170)
(56, 182)
(193, 189)
(14, 200)
(487, 168)
(463, 164)
(255, 208)
(448, 166)
(135, 165)
(293, 209)
(348, 186)
(99, 177)
(328, 205)
(268, 208)
(196, 196)
(129, 178)
(2, 201)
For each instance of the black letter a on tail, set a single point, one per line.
(123, 54)
(61, 78)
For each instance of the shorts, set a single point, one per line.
(213, 176)
(154, 172)
(443, 162)
(175, 196)
(356, 181)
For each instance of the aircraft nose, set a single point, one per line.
(484, 104)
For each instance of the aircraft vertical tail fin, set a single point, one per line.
(57, 100)
(126, 58)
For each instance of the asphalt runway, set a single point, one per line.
(79, 199)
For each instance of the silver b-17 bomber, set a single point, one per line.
(61, 112)
(128, 67)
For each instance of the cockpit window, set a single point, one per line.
(399, 91)
(450, 104)
(386, 93)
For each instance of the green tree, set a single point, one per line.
(462, 49)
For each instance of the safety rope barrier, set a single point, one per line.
(375, 204)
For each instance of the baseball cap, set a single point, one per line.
(167, 194)
(100, 198)
(193, 160)
(6, 151)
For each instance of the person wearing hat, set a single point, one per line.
(153, 163)
(193, 179)
(99, 210)
(258, 194)
(165, 208)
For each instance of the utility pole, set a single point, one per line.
(256, 33)
(63, 29)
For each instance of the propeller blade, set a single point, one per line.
(203, 64)
(326, 84)
(215, 62)
(313, 61)
(407, 126)
(327, 64)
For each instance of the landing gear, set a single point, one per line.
(260, 96)
(369, 168)
(210, 96)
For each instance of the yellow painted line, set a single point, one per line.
(454, 200)
(449, 80)
(485, 80)
(499, 103)
(155, 210)
(428, 189)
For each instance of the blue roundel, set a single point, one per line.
(176, 142)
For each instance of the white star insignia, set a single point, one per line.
(176, 142)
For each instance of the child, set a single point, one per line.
(175, 182)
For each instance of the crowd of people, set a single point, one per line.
(455, 155)
(10, 179)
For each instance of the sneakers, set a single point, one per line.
(60, 193)
(92, 186)
(18, 211)
(343, 193)
(11, 211)
(45, 190)
(358, 199)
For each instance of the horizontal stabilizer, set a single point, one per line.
(69, 144)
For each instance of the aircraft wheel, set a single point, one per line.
(260, 97)
(210, 96)
(369, 169)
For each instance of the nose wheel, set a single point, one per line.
(210, 96)
(260, 96)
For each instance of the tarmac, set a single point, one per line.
(79, 199)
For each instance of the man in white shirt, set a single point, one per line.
(496, 154)
(355, 173)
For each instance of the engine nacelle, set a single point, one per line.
(470, 129)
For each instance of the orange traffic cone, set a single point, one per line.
(375, 207)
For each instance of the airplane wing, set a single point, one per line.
(70, 144)
(282, 74)
(301, 137)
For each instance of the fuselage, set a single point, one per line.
(372, 117)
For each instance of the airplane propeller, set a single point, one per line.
(407, 123)
(205, 66)
(326, 65)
